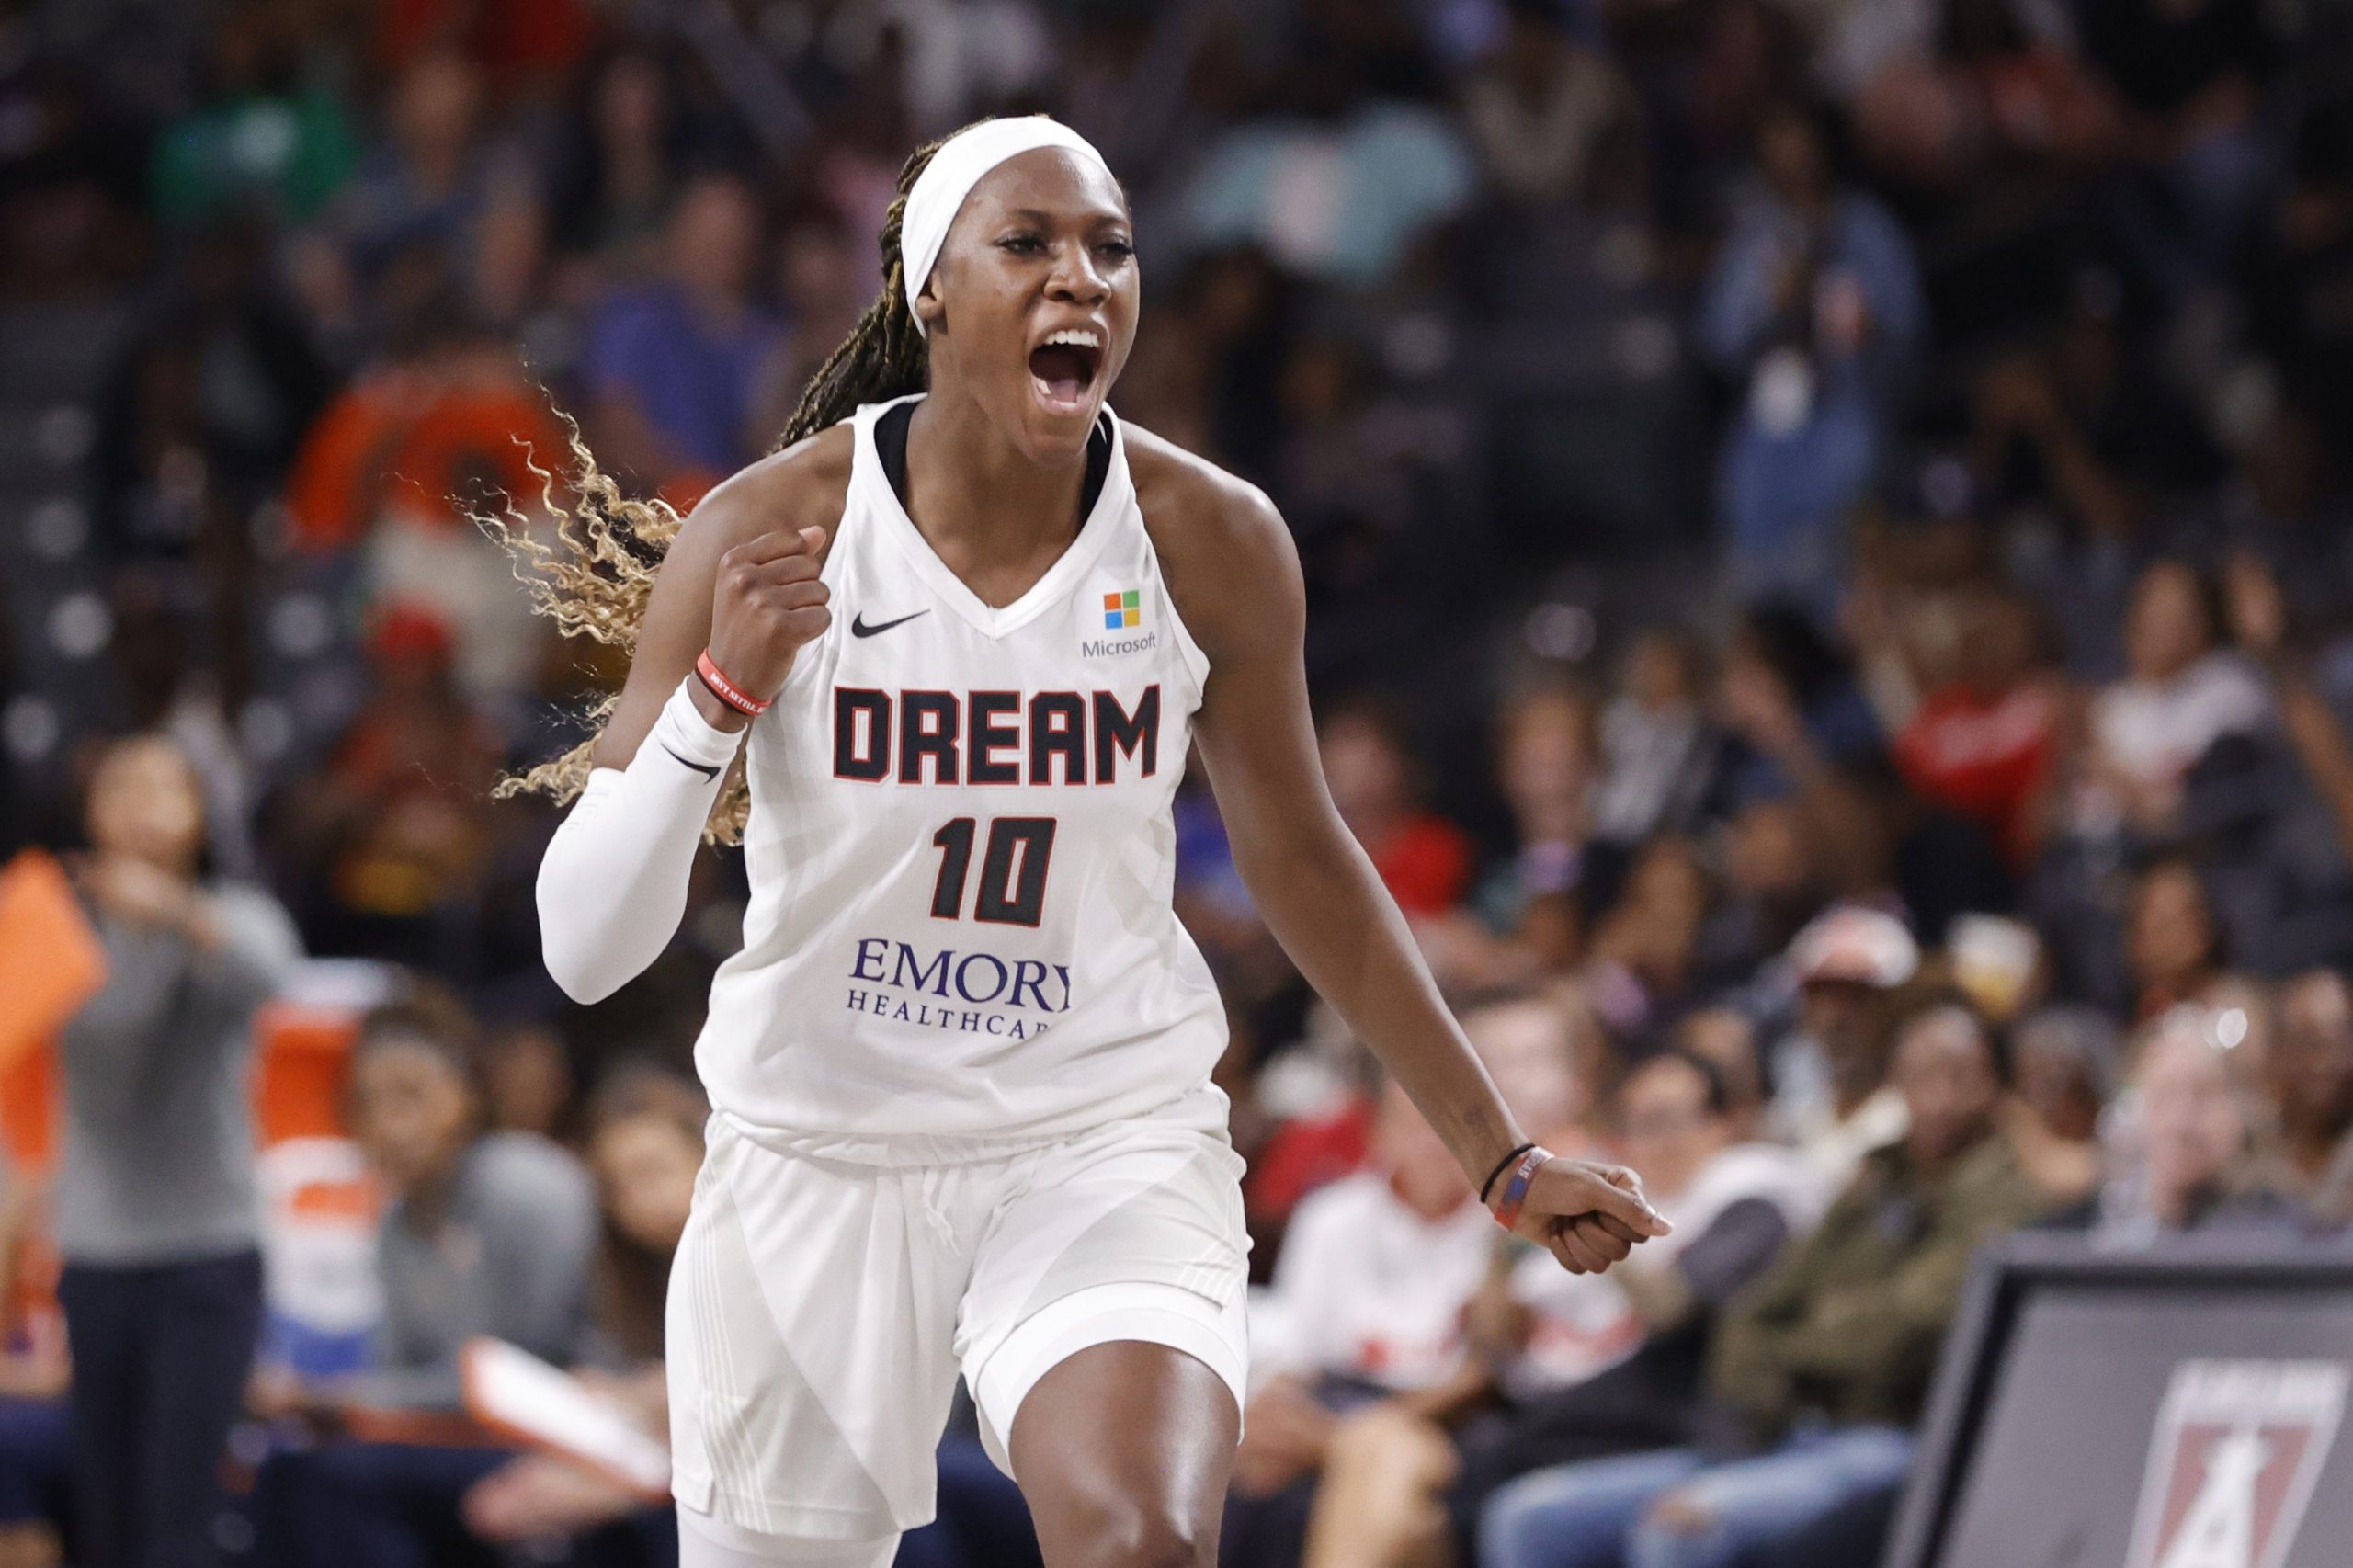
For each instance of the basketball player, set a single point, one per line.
(962, 630)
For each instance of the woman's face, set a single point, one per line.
(2166, 628)
(631, 101)
(1528, 1050)
(1043, 247)
(2192, 1123)
(1666, 1127)
(1546, 770)
(2172, 935)
(2055, 1084)
(1365, 771)
(1945, 1072)
(412, 1111)
(646, 1168)
(1658, 672)
(145, 803)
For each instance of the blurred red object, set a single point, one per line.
(429, 444)
(410, 634)
(1304, 1154)
(51, 962)
(302, 1054)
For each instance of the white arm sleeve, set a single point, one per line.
(613, 885)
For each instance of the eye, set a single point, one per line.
(1120, 250)
(1024, 243)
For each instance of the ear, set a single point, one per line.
(927, 307)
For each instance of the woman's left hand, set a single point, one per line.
(1588, 1214)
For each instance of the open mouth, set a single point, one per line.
(1064, 366)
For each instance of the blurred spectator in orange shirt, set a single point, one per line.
(448, 425)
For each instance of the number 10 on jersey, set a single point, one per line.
(1013, 870)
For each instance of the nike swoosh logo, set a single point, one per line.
(706, 769)
(857, 627)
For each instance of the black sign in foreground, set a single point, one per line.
(2183, 1409)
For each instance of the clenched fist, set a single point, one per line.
(764, 607)
(1586, 1214)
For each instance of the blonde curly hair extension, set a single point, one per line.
(594, 576)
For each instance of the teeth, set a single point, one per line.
(1076, 337)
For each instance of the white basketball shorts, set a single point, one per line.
(819, 1310)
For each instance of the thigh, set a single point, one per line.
(1132, 1232)
(808, 1344)
(1577, 1515)
(1761, 1502)
(1124, 1451)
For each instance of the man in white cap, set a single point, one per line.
(1832, 1098)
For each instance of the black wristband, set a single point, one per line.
(1503, 1164)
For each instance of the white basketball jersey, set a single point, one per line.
(961, 854)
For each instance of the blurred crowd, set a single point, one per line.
(1831, 611)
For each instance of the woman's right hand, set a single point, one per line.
(766, 604)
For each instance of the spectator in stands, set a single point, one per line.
(393, 841)
(2188, 1153)
(1819, 1369)
(436, 186)
(1832, 1096)
(2184, 692)
(1337, 192)
(616, 175)
(1790, 699)
(483, 1233)
(2312, 1092)
(1590, 1365)
(1996, 88)
(1982, 743)
(1542, 105)
(156, 1205)
(2189, 75)
(1363, 1322)
(526, 1083)
(683, 370)
(394, 471)
(2066, 1069)
(1643, 968)
(1814, 312)
(2173, 947)
(1725, 1037)
(1366, 1306)
(1544, 770)
(1658, 749)
(644, 1147)
(263, 134)
(1424, 859)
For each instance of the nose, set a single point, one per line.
(1075, 277)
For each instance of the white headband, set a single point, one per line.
(939, 192)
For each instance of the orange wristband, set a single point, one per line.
(726, 690)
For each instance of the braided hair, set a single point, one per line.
(596, 576)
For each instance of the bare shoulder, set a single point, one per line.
(805, 486)
(1225, 551)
